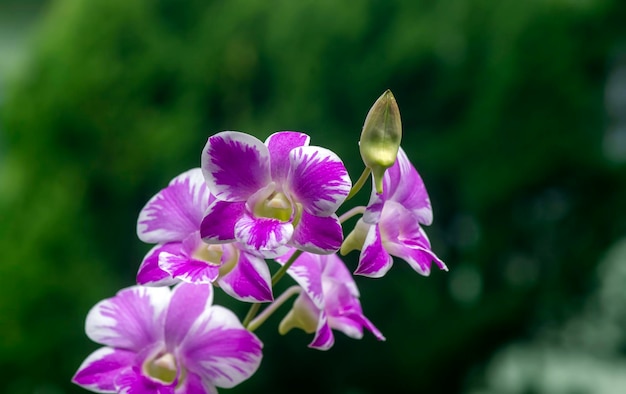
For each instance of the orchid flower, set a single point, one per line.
(274, 195)
(391, 224)
(329, 300)
(171, 219)
(166, 341)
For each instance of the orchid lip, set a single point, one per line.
(271, 203)
(162, 368)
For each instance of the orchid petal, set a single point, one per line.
(249, 280)
(131, 381)
(99, 370)
(374, 260)
(188, 269)
(188, 302)
(176, 211)
(419, 258)
(279, 145)
(220, 349)
(218, 225)
(306, 270)
(318, 179)
(324, 338)
(130, 320)
(193, 384)
(235, 165)
(320, 235)
(149, 271)
(404, 185)
(266, 236)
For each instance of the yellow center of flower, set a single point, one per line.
(211, 254)
(162, 368)
(275, 206)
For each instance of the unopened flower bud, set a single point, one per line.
(380, 138)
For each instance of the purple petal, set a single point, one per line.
(266, 236)
(150, 273)
(188, 302)
(220, 350)
(374, 261)
(318, 179)
(193, 384)
(324, 338)
(131, 320)
(218, 225)
(249, 280)
(335, 269)
(404, 185)
(187, 269)
(279, 145)
(176, 211)
(315, 234)
(100, 369)
(235, 165)
(306, 270)
(419, 258)
(131, 381)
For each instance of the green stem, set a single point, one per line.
(352, 212)
(359, 183)
(267, 312)
(254, 308)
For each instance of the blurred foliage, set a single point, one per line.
(504, 116)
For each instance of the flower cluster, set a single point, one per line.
(217, 226)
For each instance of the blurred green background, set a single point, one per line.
(514, 113)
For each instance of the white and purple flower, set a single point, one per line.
(166, 341)
(329, 300)
(171, 219)
(391, 224)
(274, 195)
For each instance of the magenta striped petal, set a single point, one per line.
(218, 225)
(100, 369)
(374, 260)
(315, 234)
(279, 145)
(318, 180)
(188, 302)
(266, 236)
(193, 384)
(403, 184)
(130, 320)
(306, 270)
(150, 273)
(324, 338)
(131, 381)
(176, 211)
(188, 269)
(235, 165)
(220, 350)
(419, 258)
(249, 280)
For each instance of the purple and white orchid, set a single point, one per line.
(329, 300)
(274, 195)
(391, 224)
(166, 341)
(171, 219)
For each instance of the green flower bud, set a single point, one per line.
(380, 138)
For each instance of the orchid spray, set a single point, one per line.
(216, 226)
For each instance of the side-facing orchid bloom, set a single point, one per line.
(391, 224)
(274, 195)
(166, 341)
(329, 300)
(171, 219)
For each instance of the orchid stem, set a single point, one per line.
(267, 312)
(254, 308)
(359, 183)
(352, 212)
